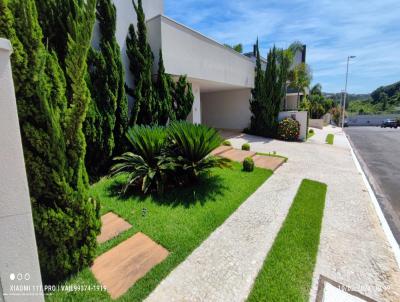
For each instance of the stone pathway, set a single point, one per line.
(261, 161)
(225, 265)
(119, 268)
(111, 226)
(353, 248)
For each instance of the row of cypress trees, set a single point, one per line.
(269, 90)
(52, 100)
(73, 113)
(156, 101)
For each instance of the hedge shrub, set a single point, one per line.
(226, 143)
(248, 164)
(288, 129)
(246, 147)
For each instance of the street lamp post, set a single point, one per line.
(345, 89)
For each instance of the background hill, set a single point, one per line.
(385, 99)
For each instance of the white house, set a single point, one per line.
(221, 78)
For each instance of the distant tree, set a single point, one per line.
(295, 47)
(237, 47)
(300, 79)
(383, 98)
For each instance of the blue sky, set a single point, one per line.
(332, 30)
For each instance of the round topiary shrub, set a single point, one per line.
(226, 143)
(248, 164)
(246, 147)
(288, 129)
(311, 131)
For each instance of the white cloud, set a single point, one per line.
(331, 29)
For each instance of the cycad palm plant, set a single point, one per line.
(147, 165)
(191, 146)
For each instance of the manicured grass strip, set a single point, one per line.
(329, 139)
(273, 155)
(288, 269)
(180, 221)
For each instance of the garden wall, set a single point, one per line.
(316, 123)
(300, 116)
(19, 264)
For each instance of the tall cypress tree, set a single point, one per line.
(107, 117)
(273, 92)
(182, 98)
(163, 89)
(66, 221)
(141, 64)
(257, 102)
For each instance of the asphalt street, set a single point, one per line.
(378, 150)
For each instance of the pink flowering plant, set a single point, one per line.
(288, 129)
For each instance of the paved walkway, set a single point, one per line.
(353, 249)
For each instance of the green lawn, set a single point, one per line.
(180, 221)
(288, 268)
(329, 139)
(273, 155)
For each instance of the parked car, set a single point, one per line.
(392, 123)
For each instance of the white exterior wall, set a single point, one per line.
(291, 102)
(226, 109)
(195, 115)
(18, 252)
(188, 52)
(370, 120)
(301, 117)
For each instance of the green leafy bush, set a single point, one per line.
(226, 143)
(311, 131)
(248, 164)
(172, 156)
(288, 129)
(147, 166)
(191, 145)
(246, 147)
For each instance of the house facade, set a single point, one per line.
(221, 78)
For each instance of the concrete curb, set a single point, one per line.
(379, 212)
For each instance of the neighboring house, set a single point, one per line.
(221, 78)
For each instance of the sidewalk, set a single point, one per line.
(353, 248)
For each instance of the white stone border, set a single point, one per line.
(378, 209)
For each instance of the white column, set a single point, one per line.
(19, 264)
(195, 115)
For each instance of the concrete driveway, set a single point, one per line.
(378, 150)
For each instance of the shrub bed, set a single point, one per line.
(165, 157)
(288, 129)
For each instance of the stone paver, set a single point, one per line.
(353, 248)
(119, 268)
(237, 155)
(221, 149)
(111, 226)
(268, 162)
